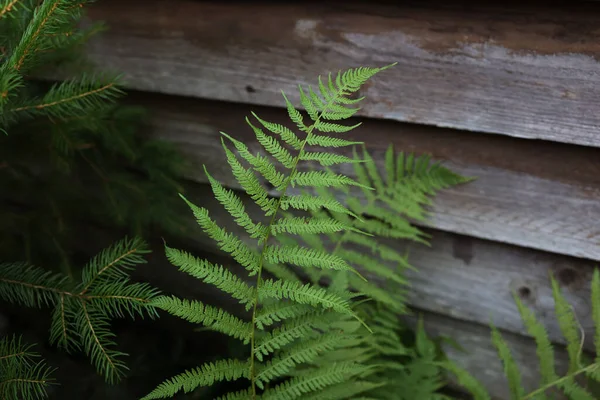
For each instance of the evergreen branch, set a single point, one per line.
(78, 96)
(46, 10)
(6, 8)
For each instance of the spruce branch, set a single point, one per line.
(82, 309)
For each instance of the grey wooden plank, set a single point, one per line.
(519, 70)
(539, 195)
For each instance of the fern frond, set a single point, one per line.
(544, 349)
(199, 313)
(205, 375)
(227, 242)
(286, 134)
(596, 311)
(312, 203)
(569, 326)
(234, 206)
(304, 352)
(304, 294)
(323, 179)
(305, 257)
(279, 311)
(207, 272)
(326, 141)
(315, 380)
(510, 367)
(288, 332)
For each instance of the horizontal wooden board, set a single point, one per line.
(465, 278)
(479, 357)
(525, 71)
(540, 195)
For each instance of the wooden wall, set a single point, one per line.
(507, 93)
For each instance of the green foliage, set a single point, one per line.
(576, 383)
(289, 325)
(83, 308)
(403, 192)
(22, 374)
(70, 151)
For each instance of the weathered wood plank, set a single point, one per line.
(525, 71)
(480, 357)
(466, 278)
(535, 194)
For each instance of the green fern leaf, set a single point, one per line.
(226, 241)
(312, 203)
(315, 380)
(205, 375)
(274, 148)
(596, 311)
(326, 141)
(199, 313)
(305, 257)
(280, 311)
(323, 179)
(234, 206)
(212, 274)
(544, 349)
(304, 352)
(568, 324)
(286, 134)
(510, 367)
(304, 294)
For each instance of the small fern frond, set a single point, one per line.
(286, 134)
(227, 242)
(596, 311)
(313, 381)
(279, 311)
(304, 294)
(199, 313)
(304, 352)
(307, 202)
(305, 257)
(569, 326)
(544, 349)
(510, 367)
(205, 375)
(212, 274)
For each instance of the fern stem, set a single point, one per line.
(542, 389)
(293, 169)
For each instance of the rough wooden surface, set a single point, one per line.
(535, 194)
(479, 357)
(517, 70)
(465, 278)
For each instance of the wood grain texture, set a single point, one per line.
(519, 70)
(465, 278)
(480, 358)
(540, 195)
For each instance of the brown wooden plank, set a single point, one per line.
(529, 71)
(466, 278)
(480, 358)
(535, 194)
